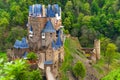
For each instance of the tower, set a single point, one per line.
(43, 24)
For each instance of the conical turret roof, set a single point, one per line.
(49, 27)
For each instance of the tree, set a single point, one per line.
(16, 33)
(35, 75)
(113, 75)
(86, 8)
(79, 70)
(18, 70)
(104, 42)
(110, 52)
(117, 42)
(68, 6)
(88, 35)
(67, 23)
(94, 7)
(77, 4)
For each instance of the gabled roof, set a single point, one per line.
(49, 27)
(48, 62)
(21, 44)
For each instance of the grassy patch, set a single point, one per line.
(71, 47)
(99, 65)
(66, 65)
(3, 54)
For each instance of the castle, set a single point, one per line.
(45, 37)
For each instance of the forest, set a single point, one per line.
(85, 19)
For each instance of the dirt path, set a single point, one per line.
(41, 60)
(49, 74)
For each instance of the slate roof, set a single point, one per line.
(58, 42)
(35, 10)
(21, 44)
(51, 10)
(25, 55)
(57, 9)
(31, 29)
(49, 27)
(48, 62)
(54, 45)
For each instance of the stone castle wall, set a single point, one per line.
(38, 23)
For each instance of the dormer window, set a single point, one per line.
(43, 35)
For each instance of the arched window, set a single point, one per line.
(43, 35)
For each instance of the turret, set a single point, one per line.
(48, 33)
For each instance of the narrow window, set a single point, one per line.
(50, 34)
(43, 35)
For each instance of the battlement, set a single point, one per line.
(38, 10)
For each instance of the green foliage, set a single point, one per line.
(117, 42)
(110, 53)
(16, 33)
(66, 31)
(31, 56)
(3, 55)
(71, 47)
(66, 66)
(69, 6)
(87, 36)
(67, 23)
(35, 75)
(94, 7)
(18, 70)
(113, 75)
(79, 70)
(104, 42)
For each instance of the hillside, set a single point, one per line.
(73, 53)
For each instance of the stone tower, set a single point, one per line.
(97, 48)
(43, 24)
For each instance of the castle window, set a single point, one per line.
(50, 34)
(56, 33)
(30, 35)
(43, 35)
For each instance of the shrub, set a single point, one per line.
(79, 70)
(18, 70)
(35, 75)
(32, 56)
